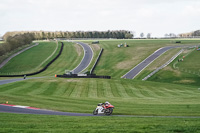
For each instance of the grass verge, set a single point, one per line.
(45, 123)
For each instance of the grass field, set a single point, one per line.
(118, 61)
(186, 72)
(157, 63)
(5, 56)
(70, 58)
(31, 60)
(82, 95)
(66, 124)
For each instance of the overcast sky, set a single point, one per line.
(149, 16)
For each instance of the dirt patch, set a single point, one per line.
(186, 51)
(52, 80)
(95, 47)
(78, 49)
(73, 80)
(185, 81)
(177, 72)
(124, 65)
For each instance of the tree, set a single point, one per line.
(142, 35)
(172, 35)
(128, 36)
(149, 35)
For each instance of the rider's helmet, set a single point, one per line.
(107, 102)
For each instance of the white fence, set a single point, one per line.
(164, 65)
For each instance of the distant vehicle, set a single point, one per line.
(95, 42)
(198, 49)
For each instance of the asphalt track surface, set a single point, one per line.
(17, 79)
(9, 109)
(17, 110)
(88, 55)
(137, 69)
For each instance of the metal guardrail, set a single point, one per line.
(164, 65)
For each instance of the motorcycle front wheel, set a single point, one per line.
(108, 111)
(95, 112)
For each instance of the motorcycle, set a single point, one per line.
(103, 108)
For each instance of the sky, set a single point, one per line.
(157, 17)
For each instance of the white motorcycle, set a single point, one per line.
(103, 108)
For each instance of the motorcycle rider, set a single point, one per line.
(106, 104)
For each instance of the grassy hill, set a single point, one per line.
(71, 56)
(82, 95)
(31, 60)
(130, 97)
(186, 72)
(118, 61)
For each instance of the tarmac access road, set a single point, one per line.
(88, 55)
(137, 69)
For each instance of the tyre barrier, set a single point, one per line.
(95, 64)
(42, 70)
(86, 76)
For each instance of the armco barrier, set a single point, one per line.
(100, 53)
(34, 73)
(87, 76)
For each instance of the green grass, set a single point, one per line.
(65, 124)
(7, 55)
(82, 95)
(191, 62)
(30, 60)
(157, 63)
(186, 72)
(118, 61)
(68, 60)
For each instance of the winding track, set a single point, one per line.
(88, 55)
(137, 69)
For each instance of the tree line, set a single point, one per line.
(17, 39)
(119, 34)
(191, 34)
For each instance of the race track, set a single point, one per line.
(19, 110)
(137, 69)
(88, 55)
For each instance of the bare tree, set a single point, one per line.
(142, 35)
(149, 35)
